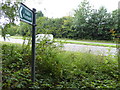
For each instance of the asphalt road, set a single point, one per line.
(12, 40)
(98, 50)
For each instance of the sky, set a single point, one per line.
(60, 8)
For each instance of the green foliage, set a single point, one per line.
(81, 17)
(4, 30)
(100, 24)
(87, 23)
(94, 24)
(46, 62)
(9, 12)
(13, 30)
(59, 27)
(115, 19)
(57, 30)
(39, 14)
(24, 29)
(43, 25)
(0, 31)
(67, 31)
(16, 66)
(57, 69)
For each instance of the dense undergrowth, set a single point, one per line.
(56, 68)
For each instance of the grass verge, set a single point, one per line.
(97, 41)
(17, 37)
(84, 43)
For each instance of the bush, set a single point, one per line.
(16, 67)
(57, 69)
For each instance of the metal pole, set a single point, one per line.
(118, 42)
(33, 46)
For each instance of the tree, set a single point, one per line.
(67, 31)
(116, 23)
(49, 25)
(91, 23)
(81, 17)
(8, 11)
(115, 19)
(42, 25)
(40, 14)
(100, 24)
(13, 30)
(24, 29)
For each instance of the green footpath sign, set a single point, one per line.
(29, 16)
(25, 14)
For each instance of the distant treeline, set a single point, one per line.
(87, 23)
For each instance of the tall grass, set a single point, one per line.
(56, 68)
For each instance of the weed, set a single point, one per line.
(56, 68)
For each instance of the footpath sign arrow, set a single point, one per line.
(25, 14)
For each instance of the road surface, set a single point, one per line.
(98, 50)
(13, 40)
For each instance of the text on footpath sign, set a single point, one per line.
(25, 14)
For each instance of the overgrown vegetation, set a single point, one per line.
(57, 69)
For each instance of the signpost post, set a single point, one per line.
(33, 45)
(118, 42)
(29, 16)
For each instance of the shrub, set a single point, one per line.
(15, 66)
(56, 68)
